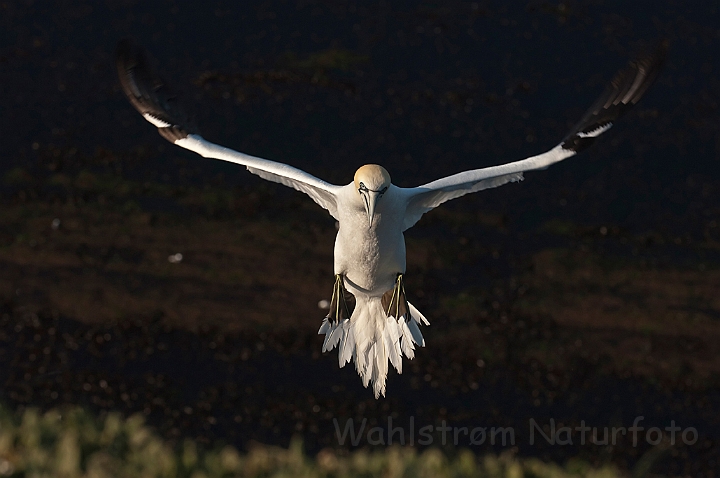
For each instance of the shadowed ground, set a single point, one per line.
(587, 292)
(223, 344)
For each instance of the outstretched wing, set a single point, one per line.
(626, 88)
(151, 96)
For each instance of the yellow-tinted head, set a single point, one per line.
(371, 182)
(373, 176)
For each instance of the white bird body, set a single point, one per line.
(369, 258)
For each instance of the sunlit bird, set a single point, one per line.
(370, 319)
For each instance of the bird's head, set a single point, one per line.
(371, 182)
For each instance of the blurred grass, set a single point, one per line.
(72, 443)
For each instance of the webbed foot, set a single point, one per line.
(342, 302)
(394, 301)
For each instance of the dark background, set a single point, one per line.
(426, 89)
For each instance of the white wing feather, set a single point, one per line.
(428, 196)
(320, 191)
(156, 102)
(625, 89)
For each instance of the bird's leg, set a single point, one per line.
(394, 301)
(339, 308)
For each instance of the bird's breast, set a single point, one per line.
(370, 256)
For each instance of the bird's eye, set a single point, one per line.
(362, 188)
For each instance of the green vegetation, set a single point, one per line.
(72, 443)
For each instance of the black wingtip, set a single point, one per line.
(149, 94)
(625, 90)
(173, 133)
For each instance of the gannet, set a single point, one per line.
(371, 321)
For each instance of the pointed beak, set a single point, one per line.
(370, 198)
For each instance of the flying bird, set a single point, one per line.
(371, 321)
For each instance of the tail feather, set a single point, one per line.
(372, 339)
(366, 374)
(347, 346)
(406, 343)
(392, 343)
(417, 314)
(332, 338)
(380, 370)
(415, 331)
